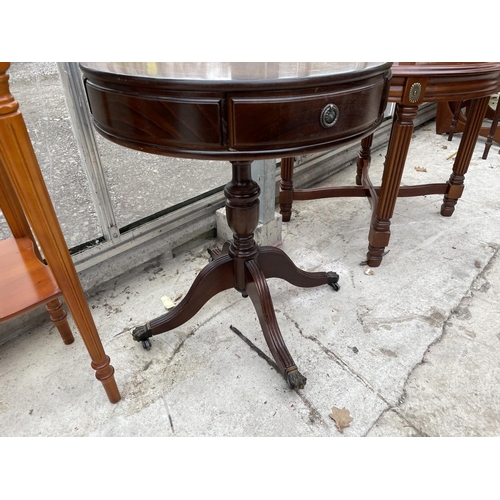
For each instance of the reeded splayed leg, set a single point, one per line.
(242, 209)
(473, 125)
(274, 263)
(215, 277)
(399, 142)
(258, 291)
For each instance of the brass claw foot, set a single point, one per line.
(333, 279)
(142, 334)
(295, 379)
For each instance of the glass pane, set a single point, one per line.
(37, 88)
(142, 184)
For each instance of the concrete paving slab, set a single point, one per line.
(452, 392)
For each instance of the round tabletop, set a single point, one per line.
(223, 74)
(443, 81)
(235, 110)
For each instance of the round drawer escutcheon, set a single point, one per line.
(329, 115)
(415, 91)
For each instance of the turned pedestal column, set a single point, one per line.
(243, 265)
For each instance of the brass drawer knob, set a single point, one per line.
(329, 115)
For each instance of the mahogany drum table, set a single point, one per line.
(411, 85)
(238, 112)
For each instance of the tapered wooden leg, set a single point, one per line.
(59, 317)
(258, 291)
(473, 124)
(286, 188)
(399, 143)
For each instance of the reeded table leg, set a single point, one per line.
(399, 143)
(473, 125)
(243, 265)
(259, 293)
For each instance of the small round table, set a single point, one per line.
(238, 112)
(411, 85)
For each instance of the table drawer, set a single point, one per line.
(257, 123)
(156, 121)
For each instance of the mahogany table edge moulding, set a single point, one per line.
(253, 113)
(25, 178)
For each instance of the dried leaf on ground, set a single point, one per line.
(342, 418)
(420, 169)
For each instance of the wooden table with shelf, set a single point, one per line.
(27, 282)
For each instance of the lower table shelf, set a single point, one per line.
(27, 283)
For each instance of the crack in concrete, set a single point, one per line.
(338, 360)
(314, 414)
(418, 432)
(456, 311)
(396, 410)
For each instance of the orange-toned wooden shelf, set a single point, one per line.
(25, 282)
